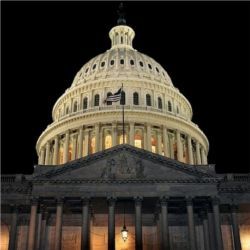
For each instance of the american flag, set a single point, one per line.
(115, 97)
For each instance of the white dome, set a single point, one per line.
(157, 116)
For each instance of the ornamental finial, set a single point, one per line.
(121, 20)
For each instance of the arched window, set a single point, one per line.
(153, 144)
(109, 94)
(132, 62)
(159, 103)
(123, 98)
(138, 140)
(97, 99)
(177, 110)
(85, 103)
(169, 106)
(121, 40)
(108, 141)
(148, 100)
(136, 98)
(122, 61)
(67, 110)
(75, 107)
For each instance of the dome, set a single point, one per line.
(122, 60)
(157, 117)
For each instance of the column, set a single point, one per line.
(203, 156)
(191, 226)
(111, 224)
(97, 137)
(114, 134)
(165, 141)
(74, 148)
(159, 143)
(32, 224)
(80, 138)
(171, 147)
(198, 153)
(138, 224)
(218, 236)
(86, 143)
(13, 228)
(190, 150)
(85, 224)
(179, 146)
(210, 218)
(203, 216)
(235, 226)
(47, 153)
(42, 157)
(55, 155)
(58, 233)
(148, 138)
(132, 133)
(38, 227)
(165, 233)
(45, 216)
(66, 148)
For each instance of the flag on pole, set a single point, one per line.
(115, 97)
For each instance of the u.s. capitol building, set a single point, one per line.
(145, 185)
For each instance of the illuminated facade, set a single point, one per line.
(91, 191)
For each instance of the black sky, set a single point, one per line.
(204, 46)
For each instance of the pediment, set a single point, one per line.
(119, 163)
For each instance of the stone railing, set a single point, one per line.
(8, 178)
(238, 177)
(119, 107)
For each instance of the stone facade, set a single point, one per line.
(168, 204)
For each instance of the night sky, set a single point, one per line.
(204, 47)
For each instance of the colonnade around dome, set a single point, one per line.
(77, 143)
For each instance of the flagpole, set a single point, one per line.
(123, 130)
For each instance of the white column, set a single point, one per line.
(198, 153)
(179, 146)
(191, 226)
(58, 229)
(165, 141)
(190, 151)
(114, 134)
(47, 153)
(97, 137)
(132, 133)
(74, 148)
(203, 156)
(13, 228)
(171, 147)
(86, 142)
(148, 133)
(66, 148)
(218, 236)
(32, 225)
(138, 224)
(80, 142)
(159, 143)
(42, 157)
(55, 155)
(235, 226)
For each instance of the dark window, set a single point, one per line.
(163, 73)
(159, 103)
(112, 62)
(132, 62)
(141, 64)
(177, 110)
(109, 94)
(136, 98)
(85, 103)
(123, 98)
(121, 61)
(67, 110)
(94, 66)
(169, 106)
(121, 40)
(102, 64)
(149, 65)
(97, 98)
(86, 71)
(148, 100)
(157, 69)
(75, 106)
